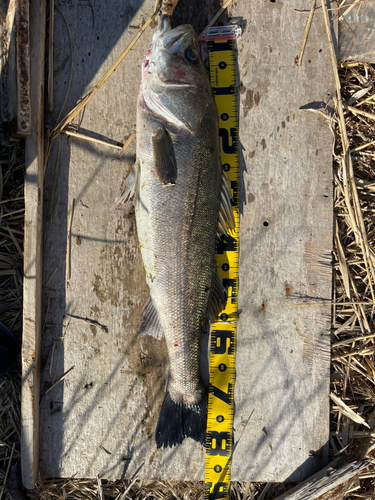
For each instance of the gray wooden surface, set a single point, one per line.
(101, 418)
(336, 473)
(32, 281)
(281, 393)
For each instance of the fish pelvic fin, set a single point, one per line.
(130, 186)
(150, 322)
(179, 420)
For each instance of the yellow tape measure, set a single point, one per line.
(223, 333)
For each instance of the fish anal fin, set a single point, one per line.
(164, 158)
(150, 324)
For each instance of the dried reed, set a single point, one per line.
(353, 362)
(12, 163)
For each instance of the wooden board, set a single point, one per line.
(335, 474)
(283, 356)
(101, 419)
(15, 113)
(32, 291)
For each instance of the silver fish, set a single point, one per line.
(182, 202)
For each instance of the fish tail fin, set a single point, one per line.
(179, 420)
(195, 419)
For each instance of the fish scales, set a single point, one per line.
(176, 225)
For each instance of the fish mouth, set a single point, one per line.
(172, 42)
(174, 85)
(169, 77)
(172, 39)
(173, 45)
(163, 26)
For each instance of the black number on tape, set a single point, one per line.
(226, 397)
(228, 149)
(226, 244)
(220, 490)
(227, 282)
(218, 443)
(219, 340)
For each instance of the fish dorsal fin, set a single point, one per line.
(164, 158)
(130, 186)
(150, 324)
(218, 298)
(226, 219)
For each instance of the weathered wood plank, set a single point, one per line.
(101, 419)
(15, 114)
(334, 474)
(8, 64)
(281, 393)
(32, 291)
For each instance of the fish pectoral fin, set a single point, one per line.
(165, 160)
(226, 220)
(130, 186)
(150, 323)
(218, 298)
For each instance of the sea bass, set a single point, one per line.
(182, 201)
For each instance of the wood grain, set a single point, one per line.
(333, 475)
(112, 398)
(32, 292)
(283, 356)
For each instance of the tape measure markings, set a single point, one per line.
(223, 332)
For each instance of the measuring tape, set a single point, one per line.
(219, 441)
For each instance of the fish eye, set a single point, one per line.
(191, 56)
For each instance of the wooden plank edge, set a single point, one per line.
(32, 288)
(335, 473)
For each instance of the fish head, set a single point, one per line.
(175, 85)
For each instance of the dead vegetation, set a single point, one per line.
(353, 370)
(11, 236)
(11, 282)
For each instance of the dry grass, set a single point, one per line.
(11, 237)
(353, 347)
(11, 268)
(153, 490)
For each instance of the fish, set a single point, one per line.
(182, 204)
